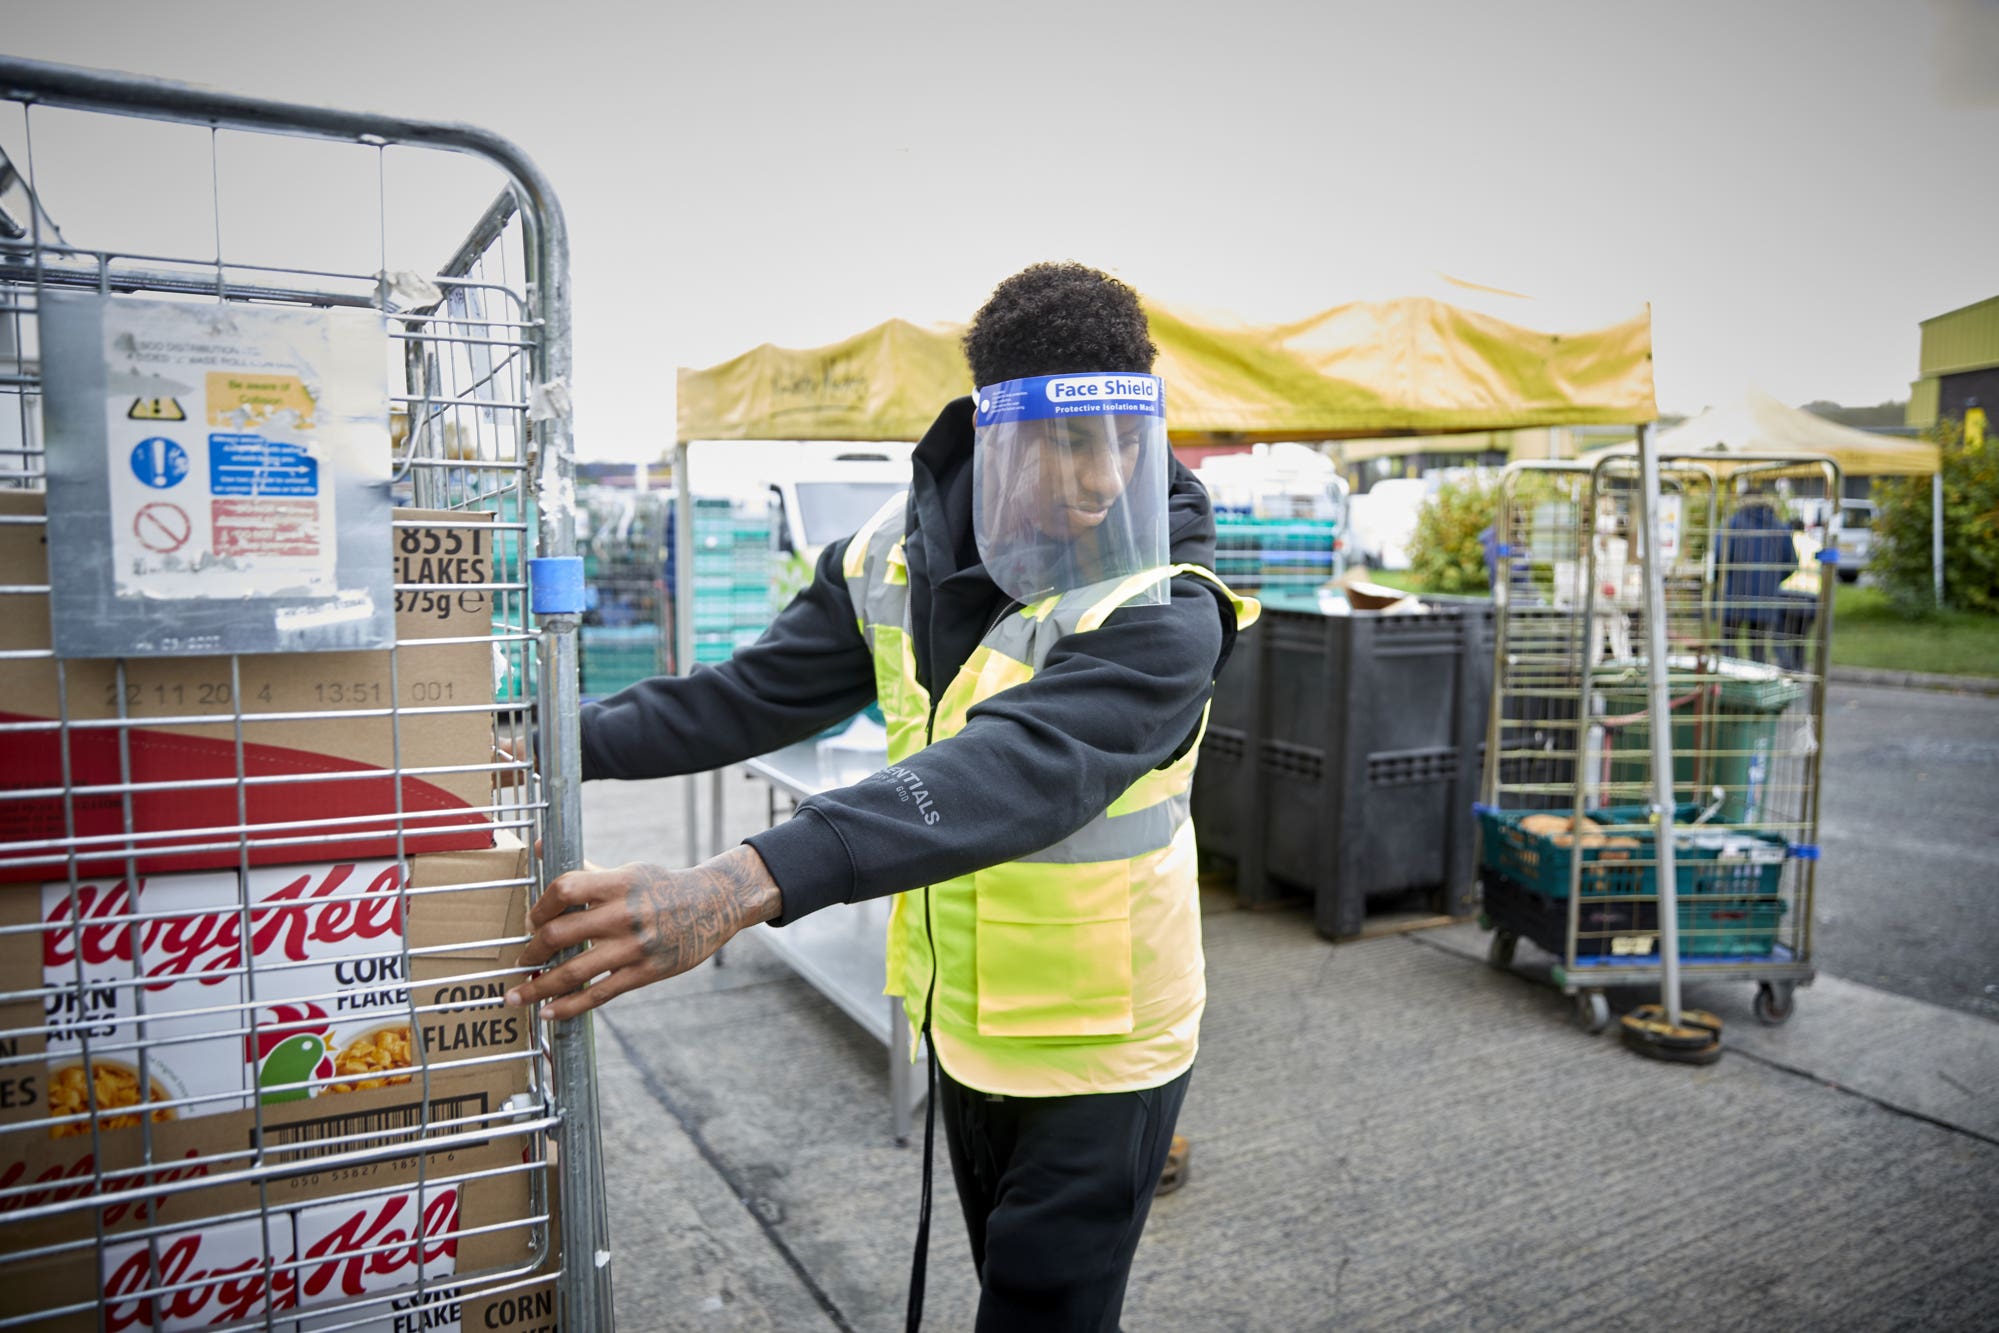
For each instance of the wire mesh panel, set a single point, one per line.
(258, 909)
(1568, 847)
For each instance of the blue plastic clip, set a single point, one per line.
(1829, 557)
(1500, 549)
(555, 585)
(1804, 851)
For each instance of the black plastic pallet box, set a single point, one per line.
(1353, 761)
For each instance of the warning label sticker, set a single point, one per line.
(162, 527)
(156, 409)
(255, 400)
(288, 398)
(266, 527)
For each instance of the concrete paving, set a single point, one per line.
(1388, 1134)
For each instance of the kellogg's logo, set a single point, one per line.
(378, 1245)
(79, 1180)
(209, 944)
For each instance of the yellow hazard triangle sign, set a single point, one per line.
(156, 409)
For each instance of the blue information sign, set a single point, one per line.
(252, 465)
(159, 462)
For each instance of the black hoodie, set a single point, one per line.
(1032, 765)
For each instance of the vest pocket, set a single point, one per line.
(1054, 949)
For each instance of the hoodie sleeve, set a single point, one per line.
(1032, 765)
(809, 670)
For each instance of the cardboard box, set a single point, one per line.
(340, 794)
(521, 1304)
(322, 1254)
(317, 1006)
(332, 933)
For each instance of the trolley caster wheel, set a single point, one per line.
(1774, 1003)
(1499, 953)
(1591, 1012)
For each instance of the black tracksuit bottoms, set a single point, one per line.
(1055, 1192)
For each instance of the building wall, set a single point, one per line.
(1965, 339)
(1961, 349)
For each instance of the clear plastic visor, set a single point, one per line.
(1068, 501)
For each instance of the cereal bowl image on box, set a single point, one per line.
(371, 1059)
(115, 1086)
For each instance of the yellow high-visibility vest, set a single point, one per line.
(1078, 968)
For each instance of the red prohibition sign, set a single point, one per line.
(162, 527)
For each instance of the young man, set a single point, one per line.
(1038, 623)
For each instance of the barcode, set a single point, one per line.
(326, 1136)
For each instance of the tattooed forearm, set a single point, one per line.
(683, 916)
(595, 934)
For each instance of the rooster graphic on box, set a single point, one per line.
(290, 1046)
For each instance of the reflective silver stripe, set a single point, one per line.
(882, 602)
(858, 546)
(1120, 837)
(1029, 639)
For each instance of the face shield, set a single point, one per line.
(1070, 477)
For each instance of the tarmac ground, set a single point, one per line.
(1909, 824)
(1389, 1134)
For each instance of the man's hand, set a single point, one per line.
(641, 924)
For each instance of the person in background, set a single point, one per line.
(1038, 620)
(1798, 600)
(1756, 557)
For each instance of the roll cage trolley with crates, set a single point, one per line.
(1574, 855)
(287, 551)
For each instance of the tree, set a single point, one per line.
(1445, 552)
(1902, 529)
(1882, 416)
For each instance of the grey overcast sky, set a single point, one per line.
(1791, 184)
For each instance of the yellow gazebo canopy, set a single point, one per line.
(1758, 423)
(1416, 366)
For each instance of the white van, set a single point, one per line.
(1384, 520)
(819, 490)
(1855, 528)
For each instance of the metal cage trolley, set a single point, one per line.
(1568, 855)
(287, 583)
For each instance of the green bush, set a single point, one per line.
(1902, 529)
(1445, 554)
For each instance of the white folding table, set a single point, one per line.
(841, 949)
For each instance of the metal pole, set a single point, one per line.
(683, 623)
(1660, 713)
(585, 1284)
(1936, 534)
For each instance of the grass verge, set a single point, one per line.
(1867, 631)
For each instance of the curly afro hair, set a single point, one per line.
(1058, 319)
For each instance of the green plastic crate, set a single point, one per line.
(1703, 864)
